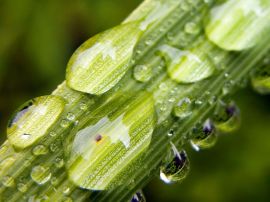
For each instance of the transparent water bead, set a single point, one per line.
(40, 174)
(261, 81)
(183, 109)
(32, 120)
(187, 66)
(100, 63)
(175, 167)
(142, 73)
(138, 197)
(238, 24)
(205, 136)
(40, 150)
(227, 117)
(102, 149)
(8, 181)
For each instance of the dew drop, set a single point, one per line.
(192, 28)
(8, 181)
(59, 162)
(183, 109)
(227, 117)
(66, 190)
(54, 181)
(138, 197)
(83, 106)
(40, 174)
(33, 119)
(22, 187)
(205, 137)
(52, 134)
(175, 168)
(91, 67)
(40, 150)
(70, 116)
(142, 73)
(261, 81)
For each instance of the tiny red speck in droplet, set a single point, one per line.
(98, 138)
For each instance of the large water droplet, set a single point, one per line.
(205, 137)
(100, 63)
(237, 25)
(261, 81)
(33, 119)
(183, 109)
(40, 174)
(104, 147)
(186, 66)
(175, 168)
(138, 197)
(227, 117)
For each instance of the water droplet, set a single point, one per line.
(183, 109)
(22, 187)
(40, 150)
(66, 190)
(83, 106)
(142, 73)
(205, 137)
(187, 66)
(8, 181)
(33, 119)
(55, 146)
(192, 28)
(253, 17)
(91, 67)
(261, 81)
(227, 117)
(70, 116)
(59, 162)
(52, 134)
(171, 133)
(54, 181)
(40, 174)
(100, 150)
(175, 168)
(138, 197)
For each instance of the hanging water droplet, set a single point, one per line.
(261, 81)
(251, 17)
(40, 150)
(138, 197)
(175, 168)
(100, 150)
(142, 73)
(205, 137)
(8, 181)
(183, 109)
(100, 63)
(227, 117)
(40, 174)
(71, 116)
(33, 119)
(187, 66)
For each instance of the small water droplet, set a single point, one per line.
(70, 116)
(175, 168)
(40, 174)
(8, 181)
(40, 150)
(192, 28)
(261, 80)
(52, 134)
(138, 197)
(171, 133)
(83, 106)
(55, 146)
(59, 162)
(66, 190)
(54, 181)
(183, 109)
(142, 73)
(22, 187)
(64, 123)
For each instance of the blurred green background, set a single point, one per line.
(38, 37)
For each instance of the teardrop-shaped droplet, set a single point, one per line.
(33, 120)
(142, 73)
(104, 148)
(40, 174)
(138, 197)
(227, 117)
(261, 81)
(100, 63)
(183, 109)
(175, 168)
(238, 24)
(186, 66)
(205, 137)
